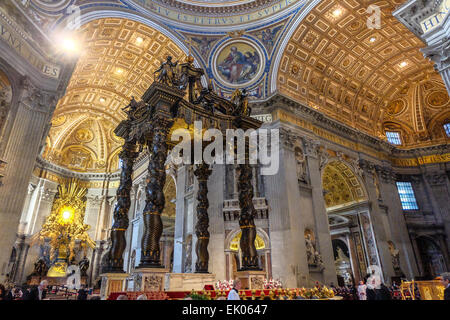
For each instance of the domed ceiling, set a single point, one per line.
(218, 13)
(369, 79)
(117, 63)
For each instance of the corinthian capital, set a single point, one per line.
(288, 138)
(311, 147)
(387, 175)
(439, 54)
(366, 166)
(436, 179)
(38, 99)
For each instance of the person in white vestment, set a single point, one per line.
(234, 293)
(362, 295)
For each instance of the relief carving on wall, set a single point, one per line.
(153, 283)
(257, 283)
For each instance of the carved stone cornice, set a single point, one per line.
(66, 173)
(413, 12)
(413, 178)
(423, 151)
(315, 117)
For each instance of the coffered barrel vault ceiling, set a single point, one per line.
(118, 60)
(341, 185)
(370, 79)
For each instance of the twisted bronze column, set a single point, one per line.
(114, 260)
(246, 222)
(202, 172)
(153, 227)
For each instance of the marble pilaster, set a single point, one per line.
(216, 247)
(288, 251)
(316, 161)
(179, 234)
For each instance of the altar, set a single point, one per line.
(188, 281)
(54, 281)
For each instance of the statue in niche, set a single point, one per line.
(343, 266)
(84, 266)
(188, 250)
(301, 164)
(341, 255)
(166, 72)
(313, 256)
(395, 256)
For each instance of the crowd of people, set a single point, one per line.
(42, 291)
(24, 293)
(363, 292)
(372, 288)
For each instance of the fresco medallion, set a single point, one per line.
(238, 63)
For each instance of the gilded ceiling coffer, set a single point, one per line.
(114, 260)
(202, 172)
(149, 123)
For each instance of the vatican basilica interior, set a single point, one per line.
(92, 94)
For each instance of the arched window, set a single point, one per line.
(447, 129)
(394, 137)
(407, 197)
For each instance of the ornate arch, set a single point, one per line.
(259, 232)
(342, 187)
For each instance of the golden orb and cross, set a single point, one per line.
(65, 228)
